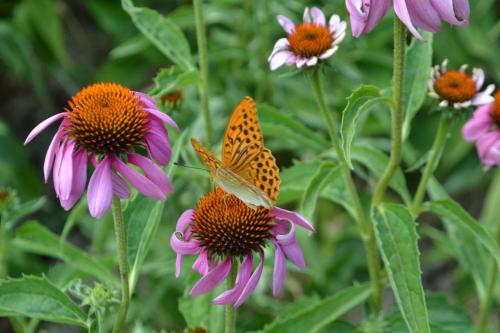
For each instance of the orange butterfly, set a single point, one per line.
(247, 170)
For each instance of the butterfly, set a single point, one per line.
(247, 170)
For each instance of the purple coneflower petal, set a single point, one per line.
(484, 97)
(423, 15)
(231, 296)
(478, 77)
(307, 15)
(146, 100)
(279, 272)
(51, 153)
(289, 245)
(178, 265)
(455, 12)
(212, 279)
(162, 116)
(286, 23)
(158, 146)
(120, 188)
(100, 190)
(79, 179)
(293, 217)
(281, 45)
(182, 246)
(318, 16)
(43, 125)
(152, 171)
(402, 11)
(485, 143)
(66, 172)
(201, 263)
(184, 220)
(140, 182)
(252, 282)
(57, 166)
(479, 124)
(279, 59)
(312, 61)
(328, 53)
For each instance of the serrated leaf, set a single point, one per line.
(397, 239)
(314, 188)
(358, 102)
(162, 32)
(173, 78)
(316, 316)
(36, 297)
(35, 238)
(454, 213)
(418, 60)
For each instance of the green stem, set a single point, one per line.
(490, 291)
(435, 154)
(366, 228)
(397, 110)
(122, 260)
(230, 313)
(203, 63)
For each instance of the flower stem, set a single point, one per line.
(397, 110)
(122, 260)
(366, 228)
(490, 291)
(203, 63)
(230, 313)
(435, 154)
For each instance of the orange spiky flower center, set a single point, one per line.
(106, 118)
(495, 110)
(310, 39)
(173, 98)
(455, 87)
(225, 225)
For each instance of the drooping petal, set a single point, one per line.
(100, 190)
(162, 116)
(455, 12)
(485, 143)
(252, 282)
(182, 246)
(184, 220)
(51, 153)
(484, 97)
(212, 279)
(43, 125)
(289, 245)
(152, 171)
(479, 124)
(146, 100)
(140, 182)
(279, 59)
(286, 23)
(402, 11)
(201, 263)
(120, 188)
(158, 146)
(318, 16)
(230, 296)
(178, 265)
(365, 15)
(279, 272)
(423, 15)
(284, 214)
(280, 45)
(79, 179)
(66, 172)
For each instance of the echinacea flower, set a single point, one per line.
(484, 129)
(424, 14)
(104, 124)
(223, 230)
(309, 42)
(458, 89)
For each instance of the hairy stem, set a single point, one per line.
(397, 110)
(203, 63)
(366, 228)
(122, 260)
(230, 313)
(435, 154)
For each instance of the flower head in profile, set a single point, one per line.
(424, 14)
(173, 99)
(309, 42)
(104, 124)
(456, 88)
(484, 129)
(222, 230)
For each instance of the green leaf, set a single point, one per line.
(36, 297)
(418, 60)
(316, 316)
(27, 208)
(397, 238)
(162, 32)
(376, 161)
(282, 125)
(35, 238)
(360, 100)
(314, 188)
(173, 78)
(454, 213)
(491, 208)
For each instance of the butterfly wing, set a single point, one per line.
(207, 157)
(266, 174)
(243, 138)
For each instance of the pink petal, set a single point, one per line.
(146, 100)
(66, 172)
(230, 296)
(286, 23)
(212, 279)
(455, 12)
(485, 143)
(403, 14)
(293, 217)
(178, 265)
(318, 16)
(479, 124)
(152, 171)
(423, 15)
(51, 153)
(140, 182)
(43, 125)
(162, 116)
(120, 188)
(279, 271)
(79, 179)
(182, 246)
(184, 220)
(279, 59)
(100, 190)
(201, 263)
(289, 245)
(158, 146)
(252, 282)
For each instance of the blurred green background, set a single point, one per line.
(49, 49)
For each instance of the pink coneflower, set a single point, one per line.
(457, 89)
(307, 42)
(484, 129)
(103, 124)
(425, 14)
(222, 230)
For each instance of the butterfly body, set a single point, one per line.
(247, 170)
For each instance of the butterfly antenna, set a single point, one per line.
(189, 167)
